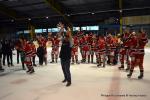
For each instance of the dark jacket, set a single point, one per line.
(4, 47)
(40, 51)
(0, 49)
(65, 52)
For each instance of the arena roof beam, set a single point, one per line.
(59, 9)
(10, 12)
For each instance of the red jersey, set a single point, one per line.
(55, 42)
(33, 50)
(27, 49)
(142, 40)
(101, 43)
(126, 42)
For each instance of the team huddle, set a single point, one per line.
(127, 47)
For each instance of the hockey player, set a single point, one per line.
(81, 42)
(33, 53)
(113, 49)
(124, 51)
(137, 52)
(85, 50)
(74, 52)
(92, 45)
(55, 49)
(88, 38)
(117, 40)
(28, 55)
(101, 51)
(110, 51)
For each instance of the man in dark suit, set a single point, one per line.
(65, 56)
(1, 69)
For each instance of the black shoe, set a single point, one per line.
(121, 68)
(27, 71)
(32, 71)
(141, 74)
(34, 65)
(1, 69)
(129, 75)
(127, 69)
(68, 84)
(64, 81)
(140, 77)
(103, 65)
(98, 65)
(83, 61)
(12, 64)
(52, 62)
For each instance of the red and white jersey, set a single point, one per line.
(93, 44)
(75, 41)
(109, 42)
(75, 44)
(55, 42)
(33, 50)
(142, 40)
(101, 44)
(85, 47)
(133, 43)
(28, 50)
(81, 41)
(126, 42)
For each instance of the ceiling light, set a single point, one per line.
(29, 18)
(47, 17)
(92, 13)
(12, 20)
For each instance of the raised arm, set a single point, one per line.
(60, 26)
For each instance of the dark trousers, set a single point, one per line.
(66, 69)
(18, 53)
(4, 57)
(23, 66)
(0, 60)
(33, 60)
(11, 58)
(41, 60)
(116, 56)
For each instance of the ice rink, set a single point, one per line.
(88, 83)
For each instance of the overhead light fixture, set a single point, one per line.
(29, 19)
(47, 17)
(120, 11)
(92, 13)
(12, 20)
(68, 15)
